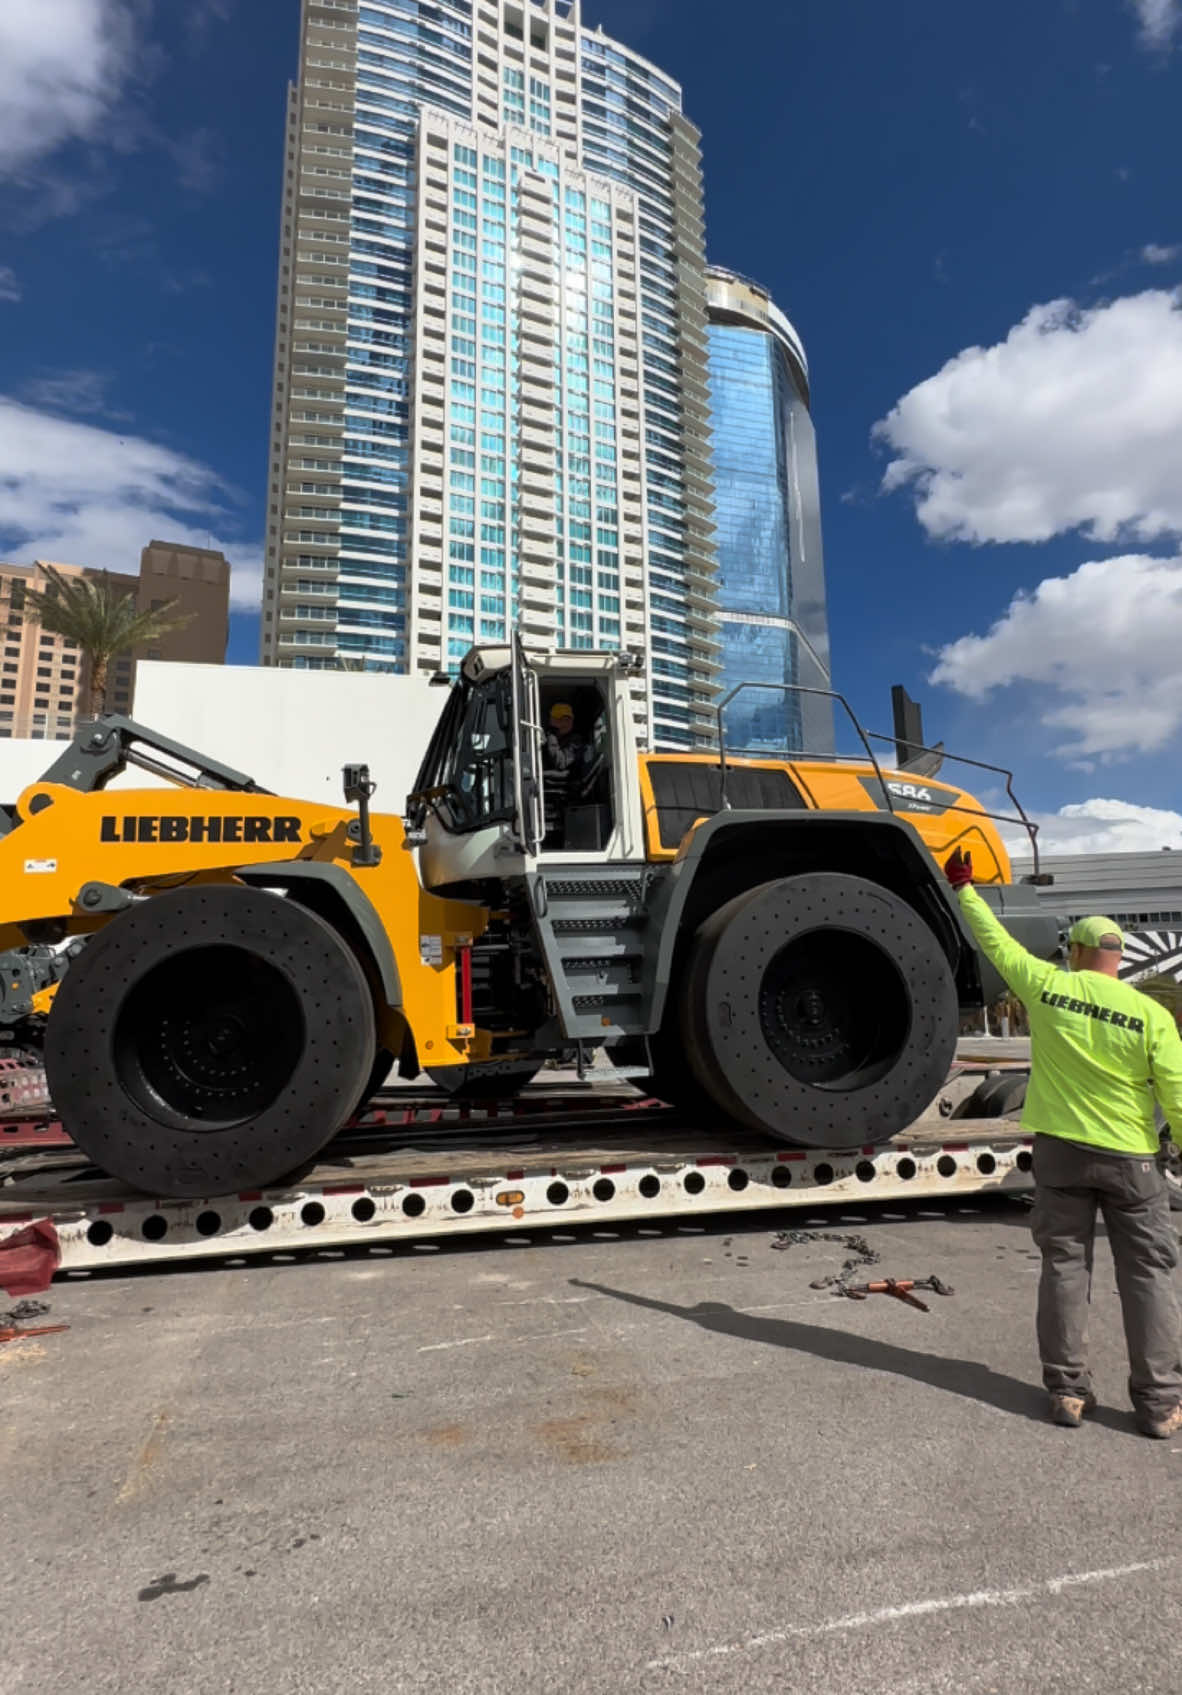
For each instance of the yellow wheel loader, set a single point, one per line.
(765, 940)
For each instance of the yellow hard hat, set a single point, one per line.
(561, 710)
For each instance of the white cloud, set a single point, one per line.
(83, 495)
(1160, 21)
(1103, 826)
(63, 70)
(1074, 421)
(1154, 253)
(77, 391)
(10, 289)
(1106, 642)
(246, 575)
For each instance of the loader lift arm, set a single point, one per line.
(101, 749)
(105, 748)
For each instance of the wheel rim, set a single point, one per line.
(208, 1039)
(834, 1009)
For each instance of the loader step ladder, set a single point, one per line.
(417, 1170)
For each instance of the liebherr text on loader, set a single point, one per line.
(764, 939)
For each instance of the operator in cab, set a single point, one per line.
(1101, 1054)
(564, 763)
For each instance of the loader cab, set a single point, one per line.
(533, 761)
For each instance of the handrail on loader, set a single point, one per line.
(866, 737)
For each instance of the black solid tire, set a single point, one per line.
(484, 1080)
(311, 1039)
(1002, 1096)
(908, 1018)
(379, 1072)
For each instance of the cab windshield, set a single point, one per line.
(467, 775)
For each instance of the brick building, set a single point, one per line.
(43, 676)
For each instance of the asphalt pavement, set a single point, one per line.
(643, 1459)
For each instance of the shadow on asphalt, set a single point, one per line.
(976, 1382)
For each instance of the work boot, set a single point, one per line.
(1069, 1410)
(1169, 1424)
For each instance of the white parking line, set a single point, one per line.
(914, 1609)
(460, 1342)
(505, 1341)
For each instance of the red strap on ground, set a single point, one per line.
(29, 1258)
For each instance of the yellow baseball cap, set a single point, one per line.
(1097, 933)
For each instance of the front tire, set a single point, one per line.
(209, 1040)
(820, 1009)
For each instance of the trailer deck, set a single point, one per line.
(415, 1167)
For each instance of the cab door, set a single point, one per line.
(527, 752)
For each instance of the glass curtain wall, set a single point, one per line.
(771, 573)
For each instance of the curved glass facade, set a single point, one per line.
(771, 580)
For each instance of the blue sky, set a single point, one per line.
(971, 214)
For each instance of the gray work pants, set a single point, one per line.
(1072, 1182)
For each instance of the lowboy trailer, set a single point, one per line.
(562, 1155)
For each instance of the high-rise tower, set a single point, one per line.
(771, 575)
(491, 400)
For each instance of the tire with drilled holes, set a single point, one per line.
(209, 1040)
(820, 1009)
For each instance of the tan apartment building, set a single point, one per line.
(43, 677)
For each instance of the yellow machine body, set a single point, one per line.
(70, 847)
(219, 978)
(946, 817)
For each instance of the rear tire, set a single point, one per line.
(209, 1040)
(819, 1009)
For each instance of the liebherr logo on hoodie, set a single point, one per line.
(1085, 1009)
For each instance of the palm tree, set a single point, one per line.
(101, 619)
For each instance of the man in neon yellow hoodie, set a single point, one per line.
(1101, 1053)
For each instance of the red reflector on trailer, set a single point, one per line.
(870, 1150)
(343, 1189)
(795, 1154)
(956, 1147)
(17, 1218)
(514, 1176)
(428, 1182)
(250, 1194)
(112, 1206)
(612, 1170)
(718, 1159)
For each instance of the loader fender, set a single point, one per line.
(331, 892)
(739, 850)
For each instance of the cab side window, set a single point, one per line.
(576, 768)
